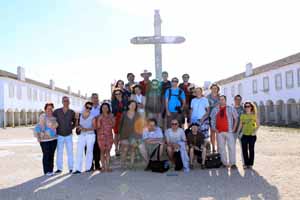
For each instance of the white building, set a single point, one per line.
(23, 99)
(274, 88)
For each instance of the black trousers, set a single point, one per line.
(48, 149)
(248, 145)
(96, 155)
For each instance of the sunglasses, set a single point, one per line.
(174, 124)
(175, 81)
(248, 106)
(88, 107)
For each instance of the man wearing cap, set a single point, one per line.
(146, 84)
(175, 102)
(197, 143)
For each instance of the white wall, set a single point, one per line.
(33, 104)
(273, 94)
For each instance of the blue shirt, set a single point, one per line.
(174, 100)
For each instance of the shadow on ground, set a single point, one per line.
(217, 184)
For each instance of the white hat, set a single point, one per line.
(146, 72)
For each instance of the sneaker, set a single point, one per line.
(88, 171)
(203, 167)
(70, 171)
(233, 167)
(58, 171)
(49, 174)
(191, 166)
(77, 172)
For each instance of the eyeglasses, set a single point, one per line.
(174, 81)
(117, 94)
(174, 124)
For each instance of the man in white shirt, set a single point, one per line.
(152, 138)
(199, 107)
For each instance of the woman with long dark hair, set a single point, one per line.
(131, 128)
(104, 126)
(249, 124)
(119, 104)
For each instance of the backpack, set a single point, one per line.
(178, 95)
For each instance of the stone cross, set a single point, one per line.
(157, 40)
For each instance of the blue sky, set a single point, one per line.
(85, 44)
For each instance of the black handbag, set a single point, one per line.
(158, 165)
(178, 161)
(78, 130)
(213, 161)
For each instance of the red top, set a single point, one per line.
(145, 87)
(221, 120)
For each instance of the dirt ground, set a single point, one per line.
(276, 174)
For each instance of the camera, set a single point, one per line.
(178, 109)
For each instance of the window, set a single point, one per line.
(11, 90)
(49, 98)
(289, 76)
(35, 95)
(298, 72)
(254, 86)
(266, 86)
(41, 95)
(225, 91)
(278, 82)
(240, 89)
(29, 93)
(19, 92)
(232, 91)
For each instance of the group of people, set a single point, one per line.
(150, 116)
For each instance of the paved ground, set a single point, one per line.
(276, 175)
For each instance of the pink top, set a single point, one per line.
(105, 124)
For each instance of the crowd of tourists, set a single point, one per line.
(153, 119)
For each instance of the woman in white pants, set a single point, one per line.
(86, 138)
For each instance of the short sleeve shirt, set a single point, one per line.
(175, 137)
(199, 106)
(174, 100)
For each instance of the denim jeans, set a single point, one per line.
(61, 141)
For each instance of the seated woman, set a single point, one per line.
(131, 128)
(176, 141)
(197, 144)
(152, 138)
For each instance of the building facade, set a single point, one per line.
(22, 99)
(274, 88)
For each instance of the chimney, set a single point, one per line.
(69, 90)
(249, 69)
(21, 74)
(52, 84)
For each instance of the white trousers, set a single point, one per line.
(225, 139)
(87, 140)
